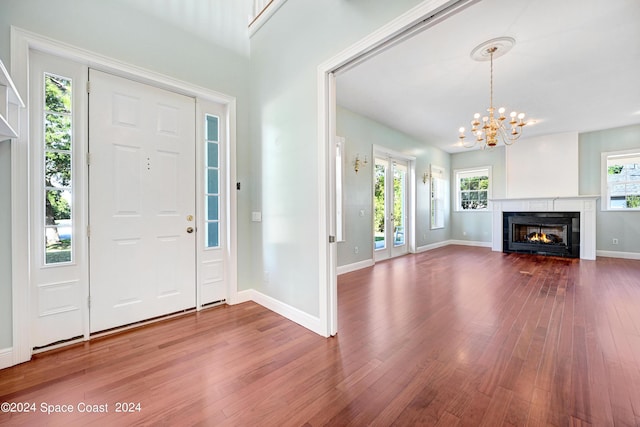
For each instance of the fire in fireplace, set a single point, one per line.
(544, 238)
(547, 233)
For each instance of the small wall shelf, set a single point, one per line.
(10, 103)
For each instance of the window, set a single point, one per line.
(57, 195)
(339, 169)
(438, 188)
(473, 189)
(212, 187)
(621, 180)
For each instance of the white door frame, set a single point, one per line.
(424, 15)
(21, 42)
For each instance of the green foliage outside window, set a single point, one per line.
(633, 201)
(57, 166)
(615, 169)
(623, 181)
(474, 192)
(378, 196)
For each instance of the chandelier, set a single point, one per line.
(493, 127)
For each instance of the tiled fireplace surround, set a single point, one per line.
(586, 205)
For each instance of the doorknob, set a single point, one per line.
(189, 229)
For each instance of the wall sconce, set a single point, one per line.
(425, 177)
(359, 164)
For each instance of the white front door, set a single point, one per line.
(141, 202)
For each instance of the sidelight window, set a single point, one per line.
(212, 187)
(58, 191)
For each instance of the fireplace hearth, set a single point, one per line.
(545, 233)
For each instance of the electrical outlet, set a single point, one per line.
(356, 250)
(615, 241)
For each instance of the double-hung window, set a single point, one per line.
(473, 189)
(621, 180)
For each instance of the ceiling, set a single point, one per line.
(575, 67)
(221, 22)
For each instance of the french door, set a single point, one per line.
(390, 197)
(141, 201)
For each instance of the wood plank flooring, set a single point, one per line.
(454, 336)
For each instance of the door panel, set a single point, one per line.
(399, 191)
(142, 191)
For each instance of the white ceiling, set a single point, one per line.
(575, 67)
(222, 22)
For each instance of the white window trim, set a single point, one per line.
(479, 169)
(605, 202)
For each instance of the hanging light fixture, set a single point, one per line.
(493, 127)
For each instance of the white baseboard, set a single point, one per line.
(295, 315)
(6, 357)
(243, 296)
(618, 254)
(470, 243)
(355, 266)
(452, 242)
(432, 246)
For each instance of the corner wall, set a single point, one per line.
(624, 226)
(360, 134)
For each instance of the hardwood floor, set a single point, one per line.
(453, 336)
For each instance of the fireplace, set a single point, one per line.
(545, 233)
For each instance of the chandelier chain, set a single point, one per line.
(491, 50)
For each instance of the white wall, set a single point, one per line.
(545, 166)
(285, 54)
(360, 134)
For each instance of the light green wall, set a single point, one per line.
(476, 226)
(124, 33)
(285, 54)
(361, 134)
(5, 245)
(624, 226)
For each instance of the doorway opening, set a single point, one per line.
(390, 206)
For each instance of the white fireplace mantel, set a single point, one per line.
(586, 205)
